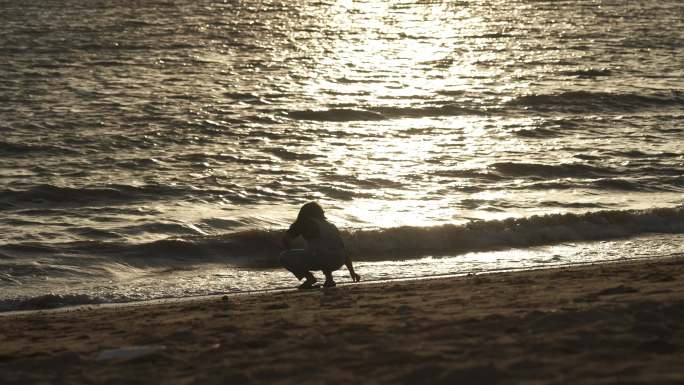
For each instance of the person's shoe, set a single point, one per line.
(309, 284)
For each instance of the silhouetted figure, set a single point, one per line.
(325, 250)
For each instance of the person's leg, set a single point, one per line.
(310, 281)
(329, 282)
(296, 261)
(328, 263)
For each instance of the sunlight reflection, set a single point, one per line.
(416, 56)
(396, 213)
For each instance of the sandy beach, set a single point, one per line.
(620, 323)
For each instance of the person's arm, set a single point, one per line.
(291, 234)
(348, 262)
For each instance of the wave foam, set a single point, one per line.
(514, 232)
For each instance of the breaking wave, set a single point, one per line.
(260, 248)
(513, 232)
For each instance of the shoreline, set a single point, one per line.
(612, 323)
(159, 301)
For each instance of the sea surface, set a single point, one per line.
(153, 149)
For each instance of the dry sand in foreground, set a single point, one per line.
(600, 324)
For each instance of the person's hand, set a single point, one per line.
(355, 277)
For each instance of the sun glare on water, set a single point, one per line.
(392, 56)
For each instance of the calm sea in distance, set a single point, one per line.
(155, 149)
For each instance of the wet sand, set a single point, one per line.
(601, 324)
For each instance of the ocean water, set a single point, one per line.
(157, 149)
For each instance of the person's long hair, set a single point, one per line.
(311, 210)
